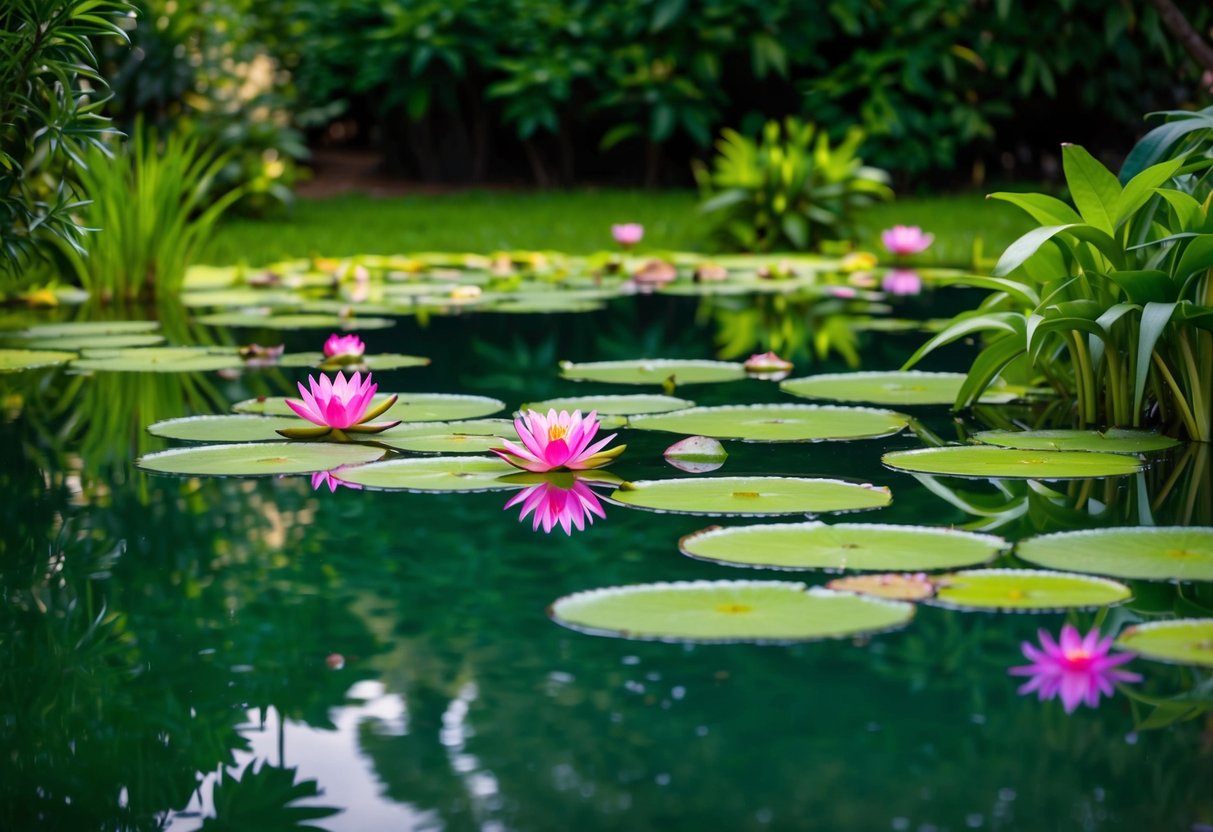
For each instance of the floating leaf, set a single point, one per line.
(81, 329)
(629, 405)
(841, 546)
(383, 361)
(239, 297)
(727, 611)
(258, 459)
(899, 587)
(90, 342)
(159, 360)
(442, 473)
(1116, 440)
(1174, 553)
(1026, 590)
(653, 371)
(1180, 641)
(13, 361)
(776, 422)
(476, 436)
(983, 462)
(409, 407)
(294, 321)
(909, 387)
(226, 428)
(752, 496)
(696, 455)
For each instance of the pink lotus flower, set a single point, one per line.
(902, 282)
(767, 362)
(628, 234)
(906, 239)
(338, 406)
(553, 505)
(344, 346)
(330, 478)
(557, 441)
(1078, 668)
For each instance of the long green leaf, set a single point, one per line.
(988, 364)
(1043, 208)
(1029, 243)
(1141, 187)
(1154, 320)
(1093, 188)
(1155, 144)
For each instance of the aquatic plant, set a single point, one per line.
(330, 478)
(628, 234)
(901, 240)
(767, 362)
(557, 441)
(551, 504)
(901, 282)
(343, 349)
(1077, 668)
(338, 406)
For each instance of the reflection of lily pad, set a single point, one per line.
(1006, 462)
(410, 407)
(775, 422)
(293, 321)
(1181, 641)
(258, 459)
(12, 361)
(727, 611)
(442, 473)
(81, 329)
(158, 360)
(839, 546)
(1027, 590)
(629, 405)
(225, 428)
(752, 496)
(909, 387)
(384, 361)
(1116, 440)
(653, 371)
(1158, 554)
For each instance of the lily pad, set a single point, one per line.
(1026, 590)
(258, 459)
(776, 422)
(14, 361)
(226, 428)
(409, 407)
(653, 371)
(293, 321)
(158, 360)
(903, 388)
(842, 546)
(80, 329)
(696, 454)
(384, 361)
(470, 437)
(238, 297)
(91, 342)
(1176, 553)
(985, 462)
(628, 405)
(442, 473)
(750, 496)
(1180, 641)
(727, 611)
(1116, 440)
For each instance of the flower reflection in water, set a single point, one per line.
(1077, 667)
(558, 500)
(330, 478)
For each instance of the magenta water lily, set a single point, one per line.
(902, 282)
(558, 441)
(627, 234)
(552, 505)
(343, 349)
(1077, 668)
(906, 239)
(338, 407)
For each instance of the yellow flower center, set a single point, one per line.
(1077, 655)
(557, 432)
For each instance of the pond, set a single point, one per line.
(395, 655)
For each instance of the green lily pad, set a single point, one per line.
(469, 437)
(158, 360)
(210, 298)
(750, 496)
(902, 388)
(258, 459)
(14, 361)
(94, 342)
(226, 428)
(1116, 440)
(1176, 553)
(653, 371)
(628, 405)
(293, 321)
(842, 546)
(441, 473)
(409, 407)
(984, 462)
(80, 329)
(1026, 590)
(384, 361)
(775, 422)
(1180, 641)
(546, 304)
(727, 611)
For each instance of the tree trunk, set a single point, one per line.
(1189, 38)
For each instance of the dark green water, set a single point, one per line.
(395, 648)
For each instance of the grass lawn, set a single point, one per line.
(577, 222)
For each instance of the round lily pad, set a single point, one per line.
(293, 321)
(91, 342)
(750, 496)
(1180, 641)
(158, 360)
(384, 361)
(258, 459)
(80, 329)
(442, 473)
(239, 297)
(226, 428)
(1026, 590)
(1176, 553)
(1116, 440)
(984, 462)
(775, 422)
(628, 405)
(653, 371)
(13, 361)
(842, 546)
(409, 407)
(550, 303)
(470, 437)
(727, 611)
(908, 387)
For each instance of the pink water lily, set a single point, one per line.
(1078, 668)
(551, 505)
(345, 346)
(906, 239)
(338, 406)
(902, 282)
(767, 362)
(557, 441)
(330, 478)
(627, 234)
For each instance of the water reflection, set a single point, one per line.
(562, 499)
(901, 282)
(1076, 668)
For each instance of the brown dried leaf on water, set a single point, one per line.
(914, 586)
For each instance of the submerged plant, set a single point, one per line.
(558, 441)
(338, 406)
(551, 504)
(1077, 668)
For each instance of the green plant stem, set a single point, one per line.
(1185, 413)
(1085, 380)
(1198, 404)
